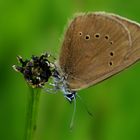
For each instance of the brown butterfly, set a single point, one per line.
(96, 46)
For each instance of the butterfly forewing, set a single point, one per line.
(96, 46)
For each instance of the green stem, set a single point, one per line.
(32, 113)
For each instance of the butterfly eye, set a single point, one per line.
(87, 37)
(97, 35)
(80, 33)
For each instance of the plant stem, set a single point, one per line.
(32, 113)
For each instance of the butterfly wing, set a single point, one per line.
(134, 29)
(96, 46)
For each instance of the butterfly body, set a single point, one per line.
(61, 84)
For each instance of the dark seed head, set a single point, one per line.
(36, 71)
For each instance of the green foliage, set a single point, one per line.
(32, 27)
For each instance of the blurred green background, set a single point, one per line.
(31, 27)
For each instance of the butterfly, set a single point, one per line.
(95, 47)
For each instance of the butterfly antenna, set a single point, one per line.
(73, 114)
(86, 108)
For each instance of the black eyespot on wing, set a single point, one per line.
(111, 42)
(110, 63)
(111, 53)
(87, 37)
(80, 33)
(106, 37)
(97, 35)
